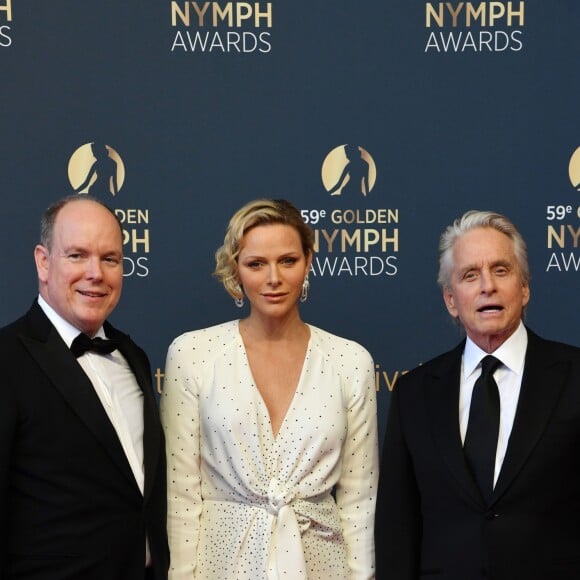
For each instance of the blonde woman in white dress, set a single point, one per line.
(270, 424)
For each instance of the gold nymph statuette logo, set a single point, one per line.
(574, 169)
(97, 169)
(349, 170)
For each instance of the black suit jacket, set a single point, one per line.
(70, 507)
(431, 520)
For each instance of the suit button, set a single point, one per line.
(491, 515)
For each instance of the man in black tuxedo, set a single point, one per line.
(82, 460)
(481, 478)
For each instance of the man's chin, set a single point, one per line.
(90, 325)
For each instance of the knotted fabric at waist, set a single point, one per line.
(290, 517)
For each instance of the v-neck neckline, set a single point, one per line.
(257, 390)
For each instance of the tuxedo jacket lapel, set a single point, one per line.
(442, 401)
(61, 368)
(542, 384)
(152, 443)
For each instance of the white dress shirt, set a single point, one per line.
(508, 376)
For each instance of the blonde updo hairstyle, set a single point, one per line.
(256, 213)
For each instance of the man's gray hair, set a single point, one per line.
(479, 219)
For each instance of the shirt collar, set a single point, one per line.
(511, 353)
(67, 331)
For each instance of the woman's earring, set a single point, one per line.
(239, 302)
(305, 288)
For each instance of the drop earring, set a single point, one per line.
(305, 289)
(239, 302)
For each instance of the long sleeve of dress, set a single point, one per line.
(179, 415)
(356, 489)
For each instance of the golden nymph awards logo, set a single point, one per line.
(5, 29)
(474, 27)
(563, 226)
(350, 240)
(97, 169)
(349, 169)
(222, 27)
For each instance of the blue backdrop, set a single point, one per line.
(382, 120)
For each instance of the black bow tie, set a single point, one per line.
(83, 343)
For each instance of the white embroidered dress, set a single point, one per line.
(243, 504)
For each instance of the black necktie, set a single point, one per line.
(483, 427)
(83, 343)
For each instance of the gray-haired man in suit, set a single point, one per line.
(480, 477)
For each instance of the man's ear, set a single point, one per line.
(41, 255)
(526, 295)
(449, 300)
